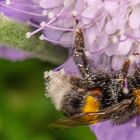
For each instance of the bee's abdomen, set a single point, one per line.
(73, 101)
(79, 101)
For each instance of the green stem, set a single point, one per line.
(12, 34)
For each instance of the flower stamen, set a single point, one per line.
(74, 13)
(42, 37)
(29, 34)
(43, 23)
(49, 22)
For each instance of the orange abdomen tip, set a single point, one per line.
(137, 97)
(91, 105)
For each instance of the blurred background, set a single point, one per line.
(24, 110)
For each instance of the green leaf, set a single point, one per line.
(13, 34)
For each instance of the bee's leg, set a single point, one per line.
(90, 78)
(129, 61)
(79, 55)
(125, 112)
(123, 76)
(124, 72)
(125, 67)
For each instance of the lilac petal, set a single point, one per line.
(104, 44)
(66, 2)
(97, 59)
(110, 27)
(110, 6)
(124, 47)
(50, 4)
(13, 54)
(111, 50)
(69, 67)
(20, 15)
(52, 34)
(14, 14)
(91, 33)
(127, 131)
(136, 33)
(65, 40)
(134, 2)
(117, 62)
(89, 14)
(35, 1)
(80, 6)
(93, 2)
(101, 61)
(99, 44)
(134, 19)
(100, 26)
(65, 23)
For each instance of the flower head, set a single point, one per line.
(111, 30)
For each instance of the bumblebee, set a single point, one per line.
(95, 95)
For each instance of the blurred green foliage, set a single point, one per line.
(24, 110)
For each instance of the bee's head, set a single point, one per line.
(57, 85)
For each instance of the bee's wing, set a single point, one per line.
(75, 120)
(85, 118)
(88, 118)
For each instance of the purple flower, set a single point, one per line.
(127, 131)
(111, 30)
(13, 54)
